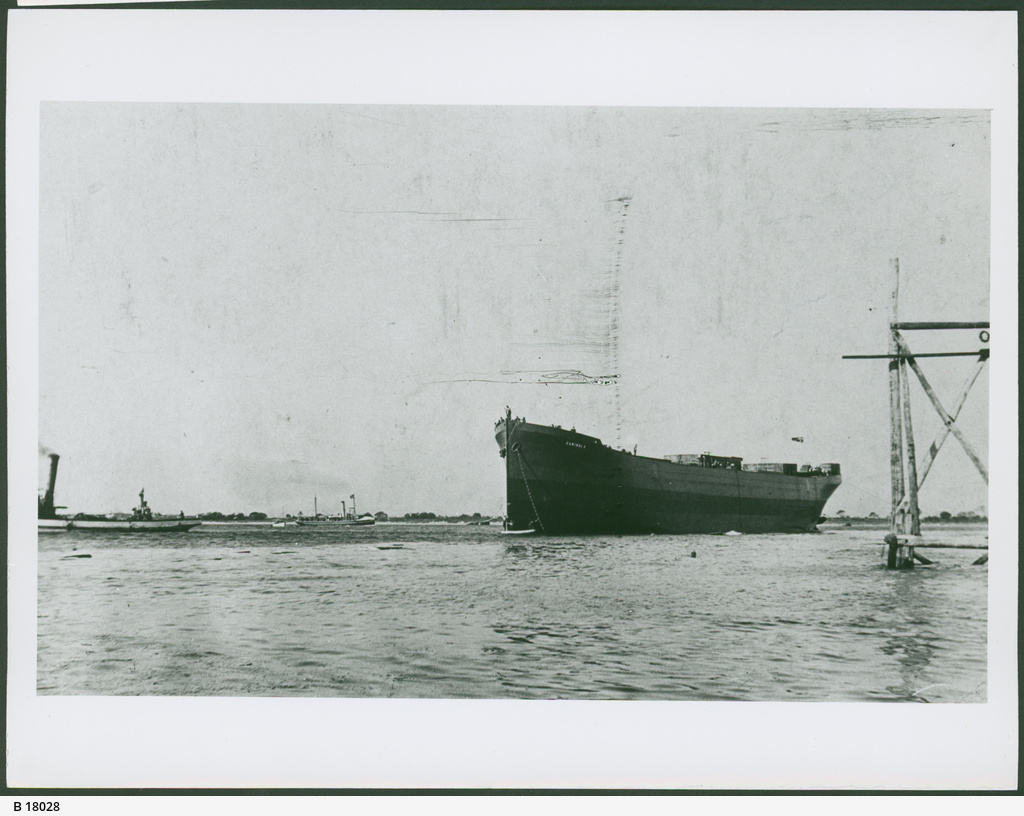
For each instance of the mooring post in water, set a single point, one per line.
(900, 554)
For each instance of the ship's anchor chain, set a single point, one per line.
(529, 493)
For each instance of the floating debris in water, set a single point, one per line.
(78, 555)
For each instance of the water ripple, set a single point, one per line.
(461, 612)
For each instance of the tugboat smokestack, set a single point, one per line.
(47, 510)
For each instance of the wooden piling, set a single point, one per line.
(895, 421)
(900, 554)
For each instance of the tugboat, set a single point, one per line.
(141, 520)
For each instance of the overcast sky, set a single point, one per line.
(245, 305)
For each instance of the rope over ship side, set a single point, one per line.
(564, 482)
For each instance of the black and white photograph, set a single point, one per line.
(391, 401)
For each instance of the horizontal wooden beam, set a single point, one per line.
(933, 325)
(906, 542)
(984, 353)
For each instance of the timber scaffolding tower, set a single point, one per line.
(905, 517)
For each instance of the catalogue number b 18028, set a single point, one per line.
(36, 807)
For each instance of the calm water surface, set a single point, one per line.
(464, 612)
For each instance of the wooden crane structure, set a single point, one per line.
(907, 477)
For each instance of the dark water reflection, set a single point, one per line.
(463, 612)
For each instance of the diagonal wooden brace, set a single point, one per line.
(947, 420)
(943, 433)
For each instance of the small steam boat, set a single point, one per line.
(335, 521)
(346, 519)
(141, 520)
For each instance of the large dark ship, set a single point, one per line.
(560, 481)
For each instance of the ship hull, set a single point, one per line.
(328, 524)
(52, 525)
(562, 482)
(132, 526)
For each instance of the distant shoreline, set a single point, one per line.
(879, 523)
(268, 522)
(847, 523)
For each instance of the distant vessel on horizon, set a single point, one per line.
(561, 482)
(335, 521)
(346, 519)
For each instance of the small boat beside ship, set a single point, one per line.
(563, 482)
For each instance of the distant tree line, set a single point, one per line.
(435, 517)
(945, 516)
(215, 516)
(959, 518)
(968, 517)
(256, 516)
